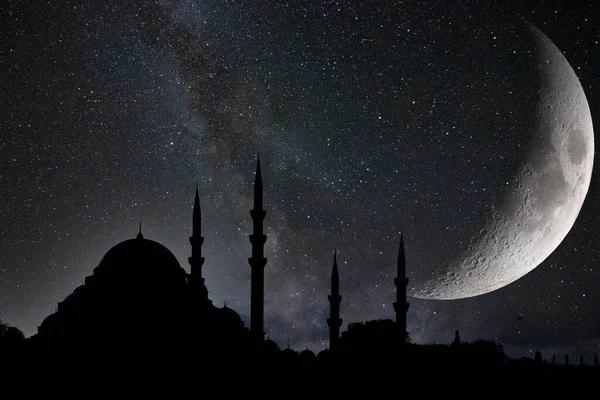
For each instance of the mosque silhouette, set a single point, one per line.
(140, 310)
(140, 304)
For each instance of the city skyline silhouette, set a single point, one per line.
(140, 308)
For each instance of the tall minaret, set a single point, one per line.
(401, 281)
(196, 260)
(257, 261)
(334, 321)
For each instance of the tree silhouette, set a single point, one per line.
(11, 340)
(10, 334)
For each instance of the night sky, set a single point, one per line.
(370, 120)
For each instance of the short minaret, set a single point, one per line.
(456, 341)
(401, 281)
(196, 260)
(334, 321)
(257, 261)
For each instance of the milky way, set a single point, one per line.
(370, 120)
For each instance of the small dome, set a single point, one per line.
(140, 256)
(228, 317)
(270, 346)
(48, 321)
(324, 354)
(289, 354)
(307, 354)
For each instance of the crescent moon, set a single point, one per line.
(534, 218)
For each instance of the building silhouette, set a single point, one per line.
(140, 304)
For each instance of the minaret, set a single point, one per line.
(401, 281)
(196, 260)
(456, 341)
(334, 321)
(257, 261)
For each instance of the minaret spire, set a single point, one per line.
(258, 186)
(257, 261)
(401, 281)
(196, 261)
(139, 235)
(196, 215)
(334, 321)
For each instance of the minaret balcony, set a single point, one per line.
(258, 214)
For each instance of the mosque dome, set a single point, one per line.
(140, 256)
